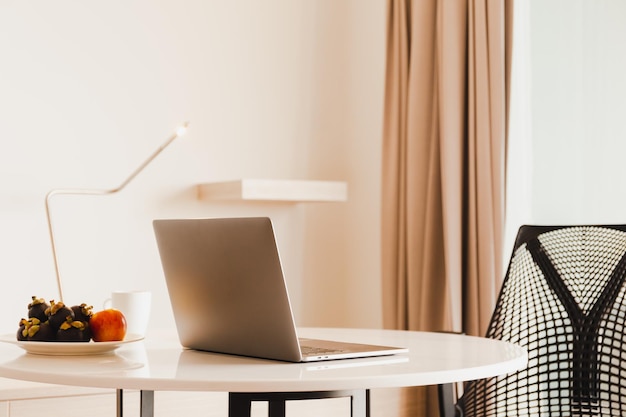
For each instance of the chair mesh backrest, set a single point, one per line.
(563, 298)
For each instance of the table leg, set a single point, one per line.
(360, 403)
(238, 406)
(119, 407)
(447, 400)
(239, 403)
(146, 408)
(276, 408)
(146, 403)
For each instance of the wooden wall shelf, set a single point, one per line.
(275, 190)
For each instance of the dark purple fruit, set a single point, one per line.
(41, 332)
(73, 331)
(37, 308)
(58, 313)
(82, 312)
(22, 334)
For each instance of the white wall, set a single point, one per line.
(273, 89)
(578, 108)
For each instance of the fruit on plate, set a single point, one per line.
(73, 331)
(21, 334)
(41, 332)
(82, 312)
(58, 313)
(56, 322)
(35, 330)
(108, 325)
(37, 308)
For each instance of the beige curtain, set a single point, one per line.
(444, 163)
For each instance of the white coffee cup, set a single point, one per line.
(135, 305)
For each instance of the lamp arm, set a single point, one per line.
(83, 191)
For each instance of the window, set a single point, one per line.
(567, 150)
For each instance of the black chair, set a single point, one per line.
(564, 299)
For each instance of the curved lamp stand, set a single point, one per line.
(179, 132)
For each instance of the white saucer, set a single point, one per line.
(68, 348)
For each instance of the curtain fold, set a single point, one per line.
(444, 152)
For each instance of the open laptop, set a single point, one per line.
(228, 292)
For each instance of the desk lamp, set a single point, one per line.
(180, 131)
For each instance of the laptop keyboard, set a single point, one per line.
(317, 350)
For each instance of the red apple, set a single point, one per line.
(108, 325)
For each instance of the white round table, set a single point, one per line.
(159, 363)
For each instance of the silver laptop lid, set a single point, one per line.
(226, 286)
